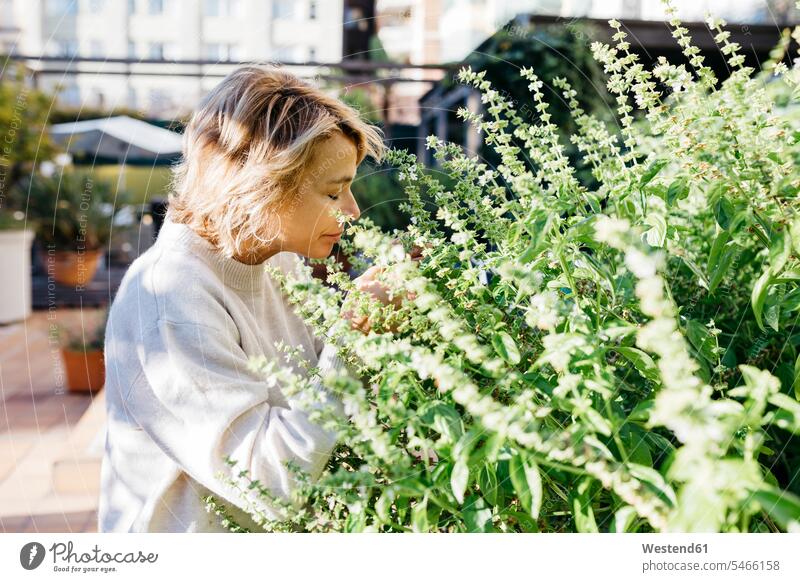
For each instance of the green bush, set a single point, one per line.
(380, 195)
(620, 358)
(559, 50)
(23, 118)
(72, 210)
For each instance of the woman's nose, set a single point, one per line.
(352, 209)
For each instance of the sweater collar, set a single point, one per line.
(233, 273)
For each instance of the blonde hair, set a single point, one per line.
(244, 150)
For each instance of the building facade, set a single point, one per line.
(289, 31)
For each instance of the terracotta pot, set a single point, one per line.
(86, 371)
(72, 268)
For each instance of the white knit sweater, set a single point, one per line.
(180, 395)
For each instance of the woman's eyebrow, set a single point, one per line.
(343, 180)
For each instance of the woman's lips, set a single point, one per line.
(332, 236)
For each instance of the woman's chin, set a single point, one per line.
(321, 250)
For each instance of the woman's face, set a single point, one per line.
(308, 223)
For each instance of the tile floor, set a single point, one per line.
(37, 416)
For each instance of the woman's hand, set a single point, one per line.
(368, 283)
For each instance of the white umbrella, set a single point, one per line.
(121, 138)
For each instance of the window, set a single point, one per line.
(312, 10)
(132, 103)
(131, 49)
(284, 54)
(96, 6)
(170, 51)
(216, 51)
(96, 48)
(282, 9)
(354, 19)
(131, 6)
(211, 51)
(235, 53)
(155, 7)
(312, 54)
(156, 50)
(212, 7)
(70, 95)
(65, 48)
(223, 8)
(159, 98)
(99, 98)
(61, 7)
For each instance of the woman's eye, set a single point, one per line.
(333, 196)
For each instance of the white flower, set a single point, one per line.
(460, 238)
(640, 264)
(397, 253)
(543, 312)
(611, 230)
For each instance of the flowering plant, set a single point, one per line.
(616, 359)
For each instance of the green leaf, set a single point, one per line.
(477, 516)
(384, 504)
(796, 384)
(703, 280)
(641, 412)
(716, 249)
(701, 339)
(794, 232)
(582, 511)
(419, 516)
(652, 171)
(525, 521)
(487, 481)
(467, 442)
(715, 192)
(597, 420)
(642, 361)
(780, 250)
(782, 506)
(443, 418)
(787, 416)
(635, 442)
(537, 229)
(459, 479)
(722, 255)
(657, 233)
(527, 482)
(506, 347)
(791, 301)
(772, 306)
(529, 253)
(759, 295)
(724, 212)
(654, 481)
(678, 190)
(624, 518)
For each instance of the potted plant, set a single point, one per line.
(75, 213)
(82, 352)
(16, 236)
(23, 138)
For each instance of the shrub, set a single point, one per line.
(72, 209)
(621, 358)
(23, 117)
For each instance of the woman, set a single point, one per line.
(268, 161)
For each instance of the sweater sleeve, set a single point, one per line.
(201, 402)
